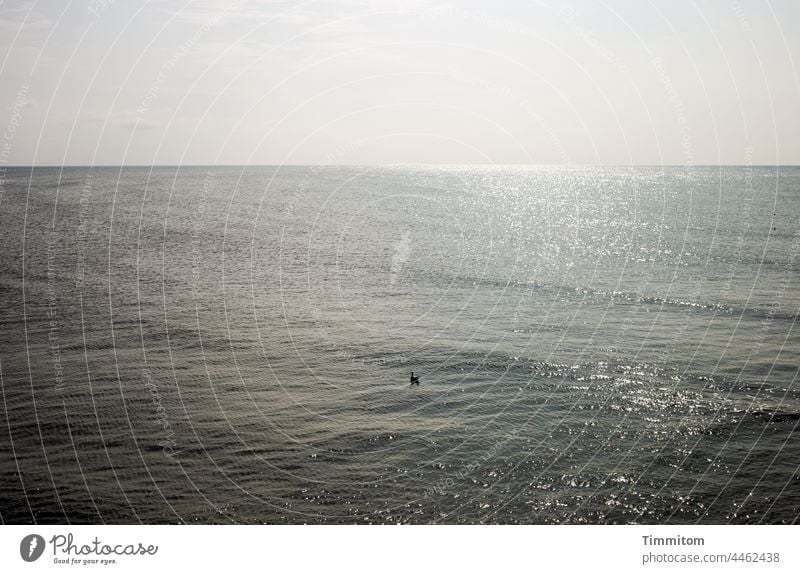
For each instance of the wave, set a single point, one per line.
(602, 295)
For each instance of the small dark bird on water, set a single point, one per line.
(414, 380)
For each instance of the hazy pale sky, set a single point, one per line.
(381, 81)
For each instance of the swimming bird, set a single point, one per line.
(414, 380)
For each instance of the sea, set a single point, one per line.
(222, 344)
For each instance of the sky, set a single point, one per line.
(611, 82)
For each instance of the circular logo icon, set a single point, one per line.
(31, 547)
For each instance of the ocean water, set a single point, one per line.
(233, 345)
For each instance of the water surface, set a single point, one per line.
(229, 345)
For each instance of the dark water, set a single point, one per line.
(219, 345)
